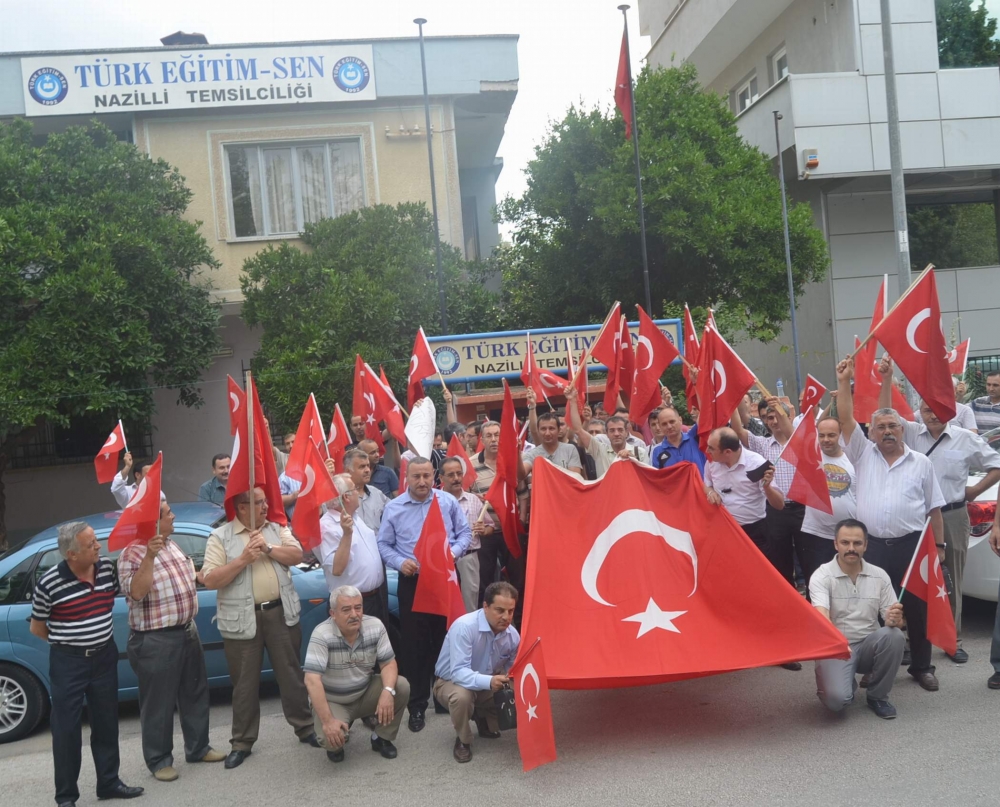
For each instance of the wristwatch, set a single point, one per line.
(390, 690)
(267, 549)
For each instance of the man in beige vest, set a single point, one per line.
(257, 609)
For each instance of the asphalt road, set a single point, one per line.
(758, 737)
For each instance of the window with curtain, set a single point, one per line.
(278, 188)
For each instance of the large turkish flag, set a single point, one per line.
(637, 579)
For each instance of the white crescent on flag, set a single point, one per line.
(140, 494)
(530, 672)
(720, 371)
(310, 481)
(236, 402)
(911, 328)
(111, 441)
(644, 341)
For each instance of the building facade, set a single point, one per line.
(268, 137)
(819, 63)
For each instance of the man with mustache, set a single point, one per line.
(853, 594)
(897, 492)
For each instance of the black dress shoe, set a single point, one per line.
(416, 721)
(794, 666)
(235, 758)
(484, 730)
(66, 804)
(960, 656)
(927, 680)
(463, 752)
(384, 747)
(312, 739)
(994, 681)
(335, 756)
(121, 791)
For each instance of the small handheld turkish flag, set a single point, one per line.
(106, 461)
(264, 450)
(866, 381)
(338, 439)
(814, 393)
(958, 357)
(237, 405)
(928, 584)
(139, 519)
(421, 366)
(457, 450)
(386, 406)
(653, 355)
(364, 404)
(606, 350)
(529, 370)
(317, 489)
(310, 431)
(802, 452)
(437, 584)
(536, 739)
(912, 334)
(691, 350)
(502, 494)
(723, 380)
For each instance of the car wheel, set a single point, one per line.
(22, 703)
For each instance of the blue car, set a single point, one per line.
(24, 658)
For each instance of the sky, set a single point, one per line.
(567, 53)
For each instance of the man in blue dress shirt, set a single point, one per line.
(402, 521)
(677, 445)
(476, 656)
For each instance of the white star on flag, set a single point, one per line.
(532, 712)
(453, 577)
(653, 617)
(942, 593)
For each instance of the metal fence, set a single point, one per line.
(76, 444)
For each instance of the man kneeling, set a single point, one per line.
(341, 679)
(853, 594)
(476, 655)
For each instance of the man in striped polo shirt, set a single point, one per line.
(71, 610)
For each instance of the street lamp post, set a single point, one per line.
(788, 254)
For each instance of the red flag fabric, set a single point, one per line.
(649, 582)
(338, 440)
(269, 481)
(502, 494)
(653, 355)
(437, 584)
(386, 406)
(814, 393)
(364, 404)
(928, 584)
(457, 450)
(317, 489)
(626, 363)
(421, 366)
(551, 383)
(140, 516)
(578, 378)
(310, 430)
(802, 453)
(529, 370)
(106, 461)
(623, 87)
(691, 350)
(866, 384)
(237, 404)
(723, 380)
(536, 739)
(607, 351)
(239, 467)
(912, 334)
(958, 358)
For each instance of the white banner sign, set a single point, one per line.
(89, 83)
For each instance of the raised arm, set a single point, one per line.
(573, 418)
(532, 402)
(845, 403)
(885, 375)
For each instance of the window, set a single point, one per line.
(276, 189)
(746, 94)
(12, 583)
(77, 443)
(779, 63)
(193, 546)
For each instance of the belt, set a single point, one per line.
(267, 606)
(73, 650)
(373, 593)
(952, 506)
(894, 541)
(185, 626)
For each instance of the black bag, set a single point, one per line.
(506, 708)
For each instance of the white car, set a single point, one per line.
(982, 566)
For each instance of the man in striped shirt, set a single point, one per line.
(72, 610)
(165, 650)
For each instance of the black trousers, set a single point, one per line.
(783, 528)
(170, 666)
(813, 552)
(76, 679)
(422, 637)
(492, 551)
(757, 532)
(894, 555)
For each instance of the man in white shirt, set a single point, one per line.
(954, 452)
(605, 449)
(349, 552)
(452, 474)
(120, 488)
(372, 501)
(853, 594)
(897, 492)
(818, 527)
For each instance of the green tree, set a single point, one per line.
(952, 236)
(966, 34)
(713, 217)
(364, 284)
(101, 284)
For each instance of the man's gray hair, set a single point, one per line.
(342, 591)
(343, 483)
(67, 536)
(885, 412)
(353, 454)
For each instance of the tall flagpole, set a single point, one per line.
(638, 170)
(250, 451)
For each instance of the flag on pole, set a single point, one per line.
(814, 393)
(338, 440)
(269, 480)
(723, 380)
(106, 461)
(623, 87)
(364, 404)
(653, 355)
(421, 366)
(317, 489)
(607, 351)
(139, 519)
(802, 452)
(536, 739)
(626, 364)
(310, 430)
(958, 358)
(457, 450)
(502, 494)
(928, 584)
(237, 405)
(437, 584)
(691, 349)
(387, 408)
(530, 372)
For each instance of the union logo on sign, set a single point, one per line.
(47, 86)
(351, 74)
(447, 359)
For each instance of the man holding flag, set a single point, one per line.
(897, 492)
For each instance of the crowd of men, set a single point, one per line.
(885, 479)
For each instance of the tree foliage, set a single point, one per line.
(966, 34)
(952, 236)
(364, 283)
(713, 217)
(100, 282)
